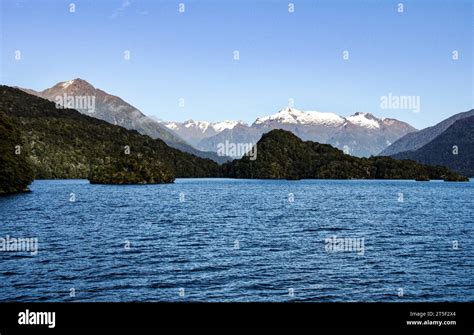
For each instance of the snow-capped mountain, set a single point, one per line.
(220, 126)
(294, 116)
(80, 95)
(361, 134)
(364, 120)
(194, 131)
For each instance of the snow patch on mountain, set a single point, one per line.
(220, 126)
(203, 126)
(363, 120)
(66, 84)
(290, 115)
(171, 125)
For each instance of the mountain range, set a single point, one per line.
(194, 131)
(361, 134)
(114, 110)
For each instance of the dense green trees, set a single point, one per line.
(15, 169)
(282, 155)
(131, 169)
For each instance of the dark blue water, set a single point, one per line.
(240, 240)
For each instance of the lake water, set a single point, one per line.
(241, 240)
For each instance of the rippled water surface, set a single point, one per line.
(240, 240)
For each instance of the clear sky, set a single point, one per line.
(283, 55)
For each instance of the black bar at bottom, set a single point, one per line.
(449, 317)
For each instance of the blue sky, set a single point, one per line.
(283, 55)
